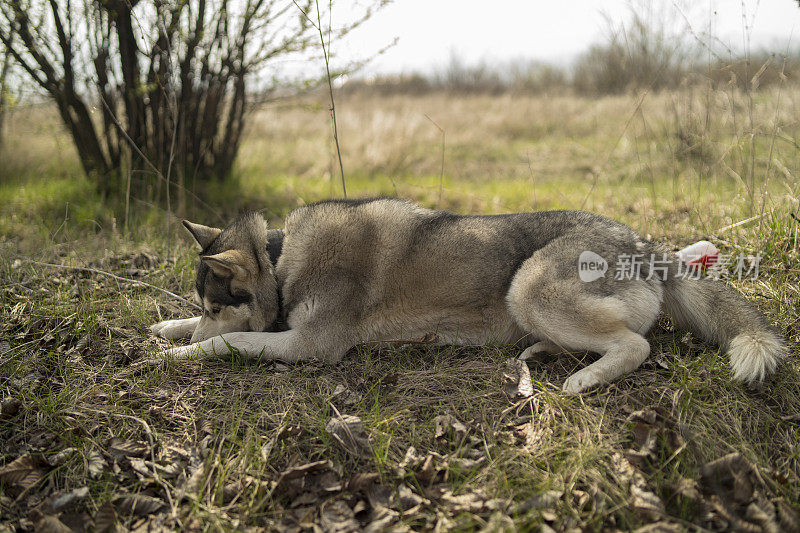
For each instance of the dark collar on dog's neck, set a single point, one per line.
(274, 250)
(274, 245)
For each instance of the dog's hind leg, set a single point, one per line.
(607, 319)
(175, 329)
(541, 350)
(623, 352)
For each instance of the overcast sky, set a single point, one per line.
(430, 31)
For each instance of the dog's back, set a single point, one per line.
(406, 271)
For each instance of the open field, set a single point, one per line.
(224, 445)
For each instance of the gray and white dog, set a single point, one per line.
(346, 272)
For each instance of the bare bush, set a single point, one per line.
(158, 87)
(458, 77)
(646, 52)
(409, 84)
(536, 77)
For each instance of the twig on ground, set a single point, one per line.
(149, 432)
(110, 275)
(740, 223)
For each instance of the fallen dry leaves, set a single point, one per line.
(730, 494)
(349, 432)
(517, 379)
(9, 407)
(22, 474)
(738, 494)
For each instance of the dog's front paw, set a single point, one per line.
(179, 353)
(155, 329)
(182, 352)
(582, 380)
(171, 329)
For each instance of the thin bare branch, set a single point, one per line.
(113, 276)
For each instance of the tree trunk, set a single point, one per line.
(3, 95)
(76, 117)
(133, 96)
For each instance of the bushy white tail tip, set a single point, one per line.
(755, 355)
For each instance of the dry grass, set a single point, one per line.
(687, 153)
(220, 445)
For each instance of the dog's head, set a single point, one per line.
(235, 283)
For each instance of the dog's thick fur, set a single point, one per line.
(343, 273)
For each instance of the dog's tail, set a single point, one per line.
(719, 314)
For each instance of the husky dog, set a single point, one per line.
(345, 272)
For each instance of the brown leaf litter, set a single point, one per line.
(517, 379)
(127, 448)
(657, 437)
(348, 431)
(448, 427)
(731, 493)
(23, 473)
(9, 407)
(737, 492)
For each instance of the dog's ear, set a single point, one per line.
(204, 235)
(229, 264)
